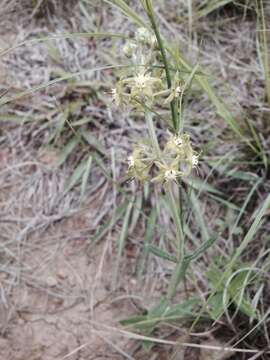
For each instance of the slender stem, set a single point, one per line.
(164, 59)
(152, 133)
(180, 269)
(163, 92)
(181, 266)
(177, 221)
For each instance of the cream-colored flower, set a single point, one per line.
(174, 141)
(142, 86)
(117, 94)
(171, 175)
(176, 89)
(145, 37)
(139, 163)
(167, 172)
(131, 161)
(179, 149)
(129, 49)
(194, 160)
(178, 140)
(175, 145)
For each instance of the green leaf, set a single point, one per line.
(242, 175)
(250, 234)
(206, 245)
(86, 174)
(245, 306)
(219, 104)
(215, 305)
(121, 243)
(210, 7)
(148, 239)
(214, 274)
(75, 177)
(133, 320)
(182, 310)
(137, 210)
(201, 186)
(93, 141)
(67, 150)
(235, 289)
(161, 253)
(163, 312)
(128, 11)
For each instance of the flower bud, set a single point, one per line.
(129, 49)
(145, 37)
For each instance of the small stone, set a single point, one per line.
(21, 321)
(51, 281)
(61, 275)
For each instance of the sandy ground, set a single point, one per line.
(54, 288)
(54, 284)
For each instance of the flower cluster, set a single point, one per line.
(176, 160)
(142, 84)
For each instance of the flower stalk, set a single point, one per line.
(150, 13)
(166, 162)
(152, 133)
(179, 270)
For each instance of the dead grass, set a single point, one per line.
(52, 280)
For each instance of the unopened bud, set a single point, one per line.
(129, 49)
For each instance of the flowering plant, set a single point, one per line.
(150, 84)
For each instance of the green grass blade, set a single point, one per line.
(161, 253)
(121, 243)
(62, 37)
(263, 47)
(128, 11)
(86, 174)
(247, 239)
(250, 234)
(211, 6)
(55, 81)
(243, 208)
(76, 176)
(67, 150)
(221, 109)
(148, 239)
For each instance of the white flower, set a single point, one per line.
(129, 49)
(194, 160)
(178, 91)
(131, 161)
(145, 37)
(178, 141)
(174, 143)
(171, 175)
(141, 86)
(117, 95)
(141, 80)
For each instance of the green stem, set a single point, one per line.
(152, 133)
(150, 14)
(180, 269)
(181, 266)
